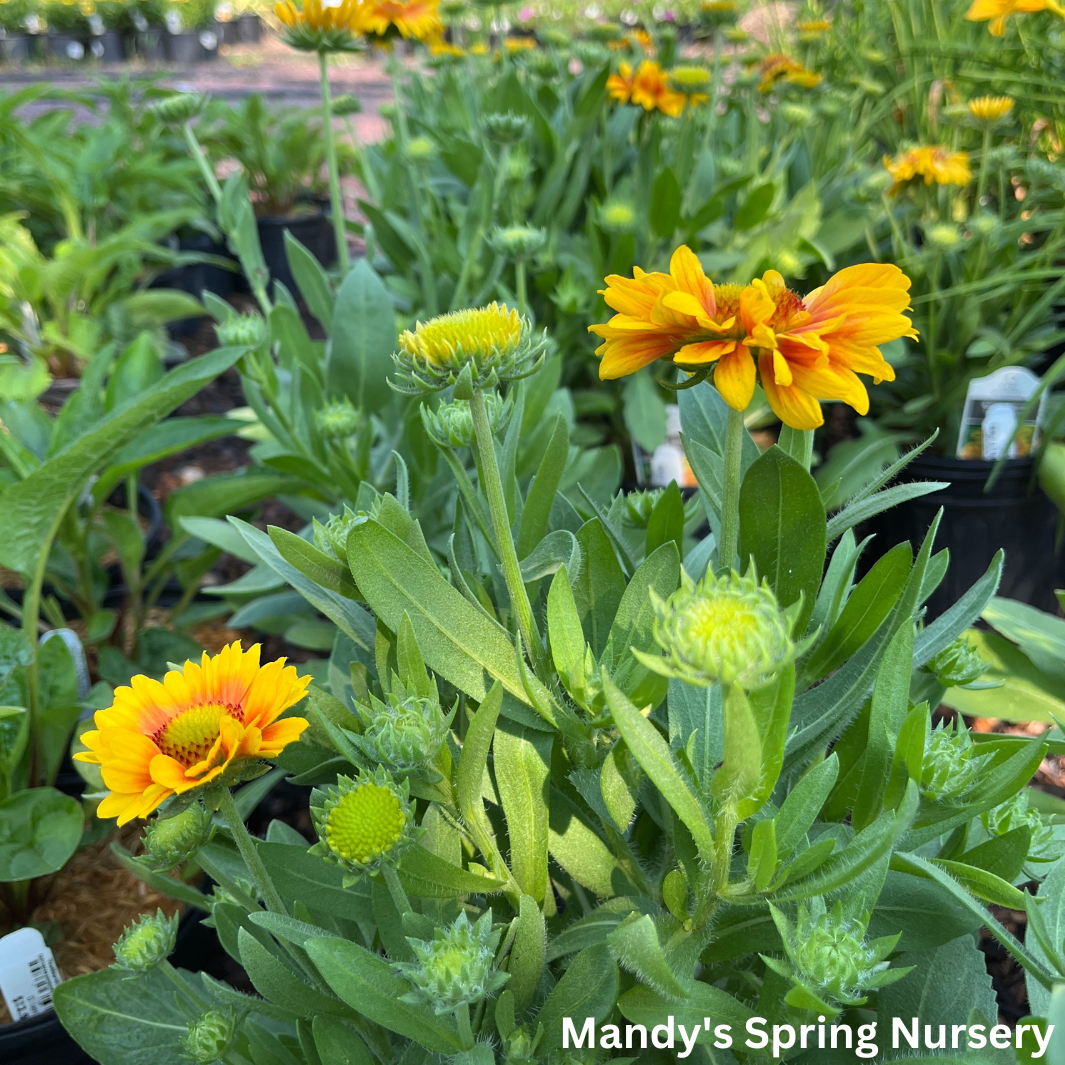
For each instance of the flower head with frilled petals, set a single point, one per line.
(997, 12)
(990, 109)
(782, 68)
(319, 27)
(410, 19)
(645, 87)
(802, 349)
(201, 724)
(932, 164)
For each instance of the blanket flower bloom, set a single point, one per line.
(165, 738)
(387, 19)
(802, 348)
(933, 164)
(779, 67)
(990, 109)
(319, 27)
(997, 12)
(646, 87)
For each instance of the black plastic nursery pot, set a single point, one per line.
(249, 29)
(15, 47)
(313, 230)
(65, 46)
(190, 46)
(196, 278)
(1015, 515)
(148, 44)
(107, 47)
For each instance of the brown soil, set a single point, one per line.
(91, 900)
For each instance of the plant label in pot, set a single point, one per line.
(998, 418)
(28, 973)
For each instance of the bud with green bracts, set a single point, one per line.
(958, 665)
(451, 424)
(242, 331)
(209, 1037)
(146, 943)
(402, 734)
(180, 108)
(173, 840)
(505, 127)
(951, 762)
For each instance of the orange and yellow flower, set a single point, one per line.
(997, 12)
(318, 27)
(417, 19)
(933, 164)
(802, 349)
(990, 108)
(646, 87)
(780, 67)
(165, 738)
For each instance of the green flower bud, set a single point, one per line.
(829, 959)
(591, 53)
(172, 840)
(542, 64)
(958, 664)
(983, 224)
(332, 537)
(1002, 157)
(638, 506)
(950, 762)
(402, 734)
(617, 216)
(604, 31)
(338, 420)
(363, 823)
(451, 424)
(505, 127)
(556, 38)
(179, 108)
(1045, 845)
(475, 348)
(456, 967)
(1043, 172)
(346, 104)
(518, 242)
(943, 235)
(241, 331)
(730, 166)
(690, 80)
(797, 115)
(727, 630)
(147, 942)
(209, 1038)
(719, 12)
(421, 150)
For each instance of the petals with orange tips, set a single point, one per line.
(703, 352)
(280, 734)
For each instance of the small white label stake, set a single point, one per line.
(28, 973)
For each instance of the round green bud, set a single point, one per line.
(950, 762)
(421, 150)
(179, 108)
(591, 53)
(831, 954)
(617, 216)
(332, 537)
(402, 735)
(456, 967)
(957, 664)
(338, 420)
(788, 263)
(241, 331)
(147, 942)
(690, 80)
(983, 224)
(1046, 846)
(542, 64)
(726, 630)
(943, 235)
(209, 1037)
(638, 506)
(505, 127)
(173, 840)
(518, 242)
(346, 104)
(797, 115)
(362, 824)
(451, 424)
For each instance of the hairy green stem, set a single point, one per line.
(184, 987)
(246, 846)
(201, 162)
(508, 557)
(335, 198)
(395, 888)
(522, 287)
(462, 1016)
(730, 495)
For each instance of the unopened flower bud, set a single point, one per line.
(338, 420)
(690, 80)
(147, 942)
(796, 115)
(209, 1038)
(241, 331)
(402, 734)
(179, 108)
(957, 664)
(332, 537)
(173, 840)
(518, 242)
(943, 236)
(456, 967)
(591, 53)
(421, 150)
(950, 763)
(363, 823)
(505, 127)
(451, 424)
(346, 104)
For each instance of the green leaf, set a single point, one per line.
(643, 410)
(800, 809)
(864, 509)
(119, 1021)
(664, 215)
(579, 850)
(984, 885)
(653, 754)
(337, 1043)
(311, 281)
(782, 527)
(565, 632)
(588, 988)
(367, 983)
(635, 945)
(643, 1006)
(40, 829)
(522, 766)
(666, 521)
(528, 955)
(599, 586)
(1003, 855)
(315, 565)
(474, 758)
(1046, 934)
(755, 207)
(319, 884)
(34, 507)
(362, 340)
(427, 876)
(925, 913)
(537, 510)
(220, 534)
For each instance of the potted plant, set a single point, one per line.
(15, 41)
(146, 27)
(68, 28)
(283, 154)
(191, 35)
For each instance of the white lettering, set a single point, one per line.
(669, 1037)
(753, 1028)
(780, 1030)
(723, 1036)
(866, 1048)
(977, 1039)
(610, 1037)
(587, 1032)
(1001, 1037)
(689, 1042)
(1043, 1043)
(898, 1027)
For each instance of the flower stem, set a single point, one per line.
(183, 986)
(335, 198)
(981, 181)
(201, 162)
(497, 506)
(462, 1016)
(519, 278)
(246, 846)
(395, 889)
(730, 495)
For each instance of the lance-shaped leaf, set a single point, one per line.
(636, 946)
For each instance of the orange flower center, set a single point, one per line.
(189, 737)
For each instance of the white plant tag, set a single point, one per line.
(28, 973)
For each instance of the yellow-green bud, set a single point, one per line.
(1045, 845)
(456, 967)
(421, 150)
(591, 53)
(690, 80)
(401, 735)
(172, 840)
(362, 824)
(241, 331)
(719, 12)
(332, 537)
(147, 942)
(958, 664)
(505, 127)
(338, 420)
(796, 115)
(617, 216)
(518, 242)
(209, 1038)
(451, 424)
(727, 630)
(346, 104)
(179, 108)
(983, 224)
(950, 763)
(943, 236)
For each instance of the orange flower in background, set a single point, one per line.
(417, 19)
(933, 164)
(802, 349)
(780, 67)
(163, 739)
(646, 88)
(998, 11)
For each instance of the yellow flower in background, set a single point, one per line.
(779, 67)
(439, 46)
(163, 739)
(991, 108)
(478, 48)
(417, 19)
(691, 81)
(932, 164)
(646, 88)
(316, 27)
(520, 44)
(998, 11)
(814, 25)
(802, 349)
